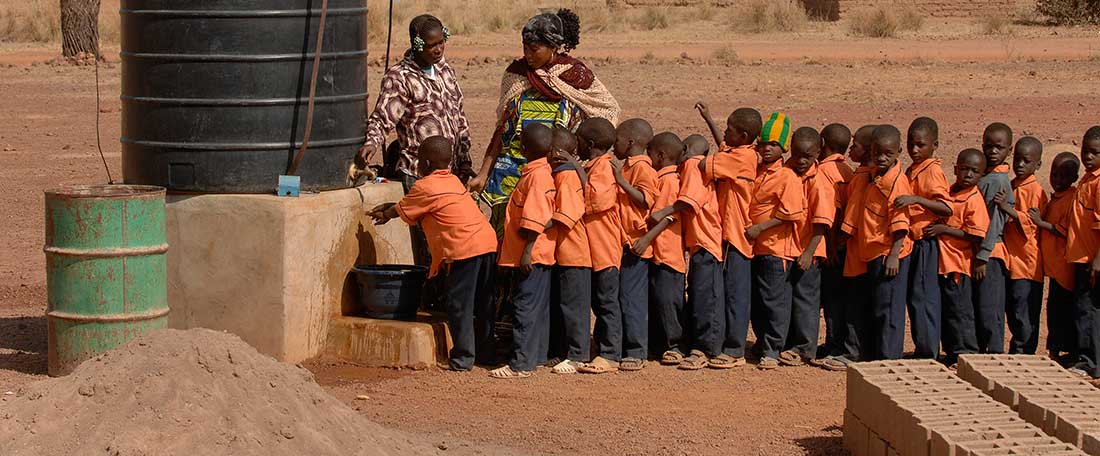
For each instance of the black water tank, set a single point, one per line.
(214, 92)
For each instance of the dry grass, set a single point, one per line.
(726, 55)
(996, 25)
(654, 18)
(39, 21)
(884, 21)
(763, 16)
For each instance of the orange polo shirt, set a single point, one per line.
(733, 169)
(703, 226)
(601, 214)
(1021, 237)
(668, 247)
(820, 210)
(639, 172)
(778, 195)
(857, 188)
(928, 181)
(969, 214)
(836, 171)
(452, 223)
(876, 220)
(530, 207)
(1052, 247)
(1081, 235)
(572, 248)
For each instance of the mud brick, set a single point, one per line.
(1091, 443)
(876, 446)
(947, 441)
(855, 434)
(1073, 430)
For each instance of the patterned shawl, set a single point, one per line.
(564, 77)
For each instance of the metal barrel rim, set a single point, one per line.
(106, 191)
(110, 318)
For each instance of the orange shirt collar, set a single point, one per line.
(670, 169)
(631, 161)
(886, 182)
(605, 157)
(864, 169)
(1094, 173)
(919, 168)
(768, 168)
(832, 158)
(1001, 168)
(535, 165)
(1017, 183)
(964, 194)
(810, 173)
(726, 148)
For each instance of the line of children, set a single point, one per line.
(758, 237)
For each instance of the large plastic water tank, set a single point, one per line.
(214, 92)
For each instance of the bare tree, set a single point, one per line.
(79, 27)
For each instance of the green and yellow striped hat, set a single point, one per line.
(777, 129)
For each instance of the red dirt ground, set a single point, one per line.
(47, 138)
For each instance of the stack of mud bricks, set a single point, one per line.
(919, 408)
(1042, 393)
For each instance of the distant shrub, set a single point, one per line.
(1070, 11)
(763, 16)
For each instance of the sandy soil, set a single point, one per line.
(1046, 86)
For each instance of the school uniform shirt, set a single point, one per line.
(969, 214)
(1081, 237)
(733, 169)
(530, 207)
(928, 181)
(778, 195)
(876, 220)
(835, 170)
(453, 225)
(1052, 248)
(854, 266)
(820, 210)
(668, 247)
(601, 214)
(1022, 236)
(703, 226)
(991, 184)
(572, 249)
(638, 171)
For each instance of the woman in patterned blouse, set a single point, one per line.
(420, 98)
(545, 86)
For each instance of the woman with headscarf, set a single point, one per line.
(546, 86)
(420, 98)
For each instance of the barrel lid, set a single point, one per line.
(105, 191)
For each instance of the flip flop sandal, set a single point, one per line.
(768, 364)
(833, 363)
(632, 364)
(672, 358)
(725, 361)
(506, 373)
(790, 358)
(697, 360)
(566, 367)
(599, 365)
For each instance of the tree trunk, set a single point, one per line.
(79, 27)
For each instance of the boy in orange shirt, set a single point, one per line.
(832, 166)
(958, 237)
(571, 282)
(1082, 244)
(697, 204)
(1024, 303)
(733, 173)
(883, 245)
(1053, 223)
(529, 249)
(777, 205)
(927, 204)
(638, 189)
(989, 270)
(595, 138)
(462, 241)
(809, 238)
(667, 273)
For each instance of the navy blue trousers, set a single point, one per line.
(1023, 307)
(924, 298)
(470, 313)
(1061, 328)
(834, 294)
(888, 296)
(706, 293)
(737, 280)
(608, 333)
(772, 296)
(1087, 304)
(959, 332)
(805, 310)
(531, 319)
(666, 295)
(989, 308)
(570, 313)
(857, 320)
(634, 296)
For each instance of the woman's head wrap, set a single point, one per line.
(546, 28)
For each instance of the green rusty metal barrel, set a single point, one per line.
(106, 275)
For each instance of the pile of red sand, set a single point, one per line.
(193, 392)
